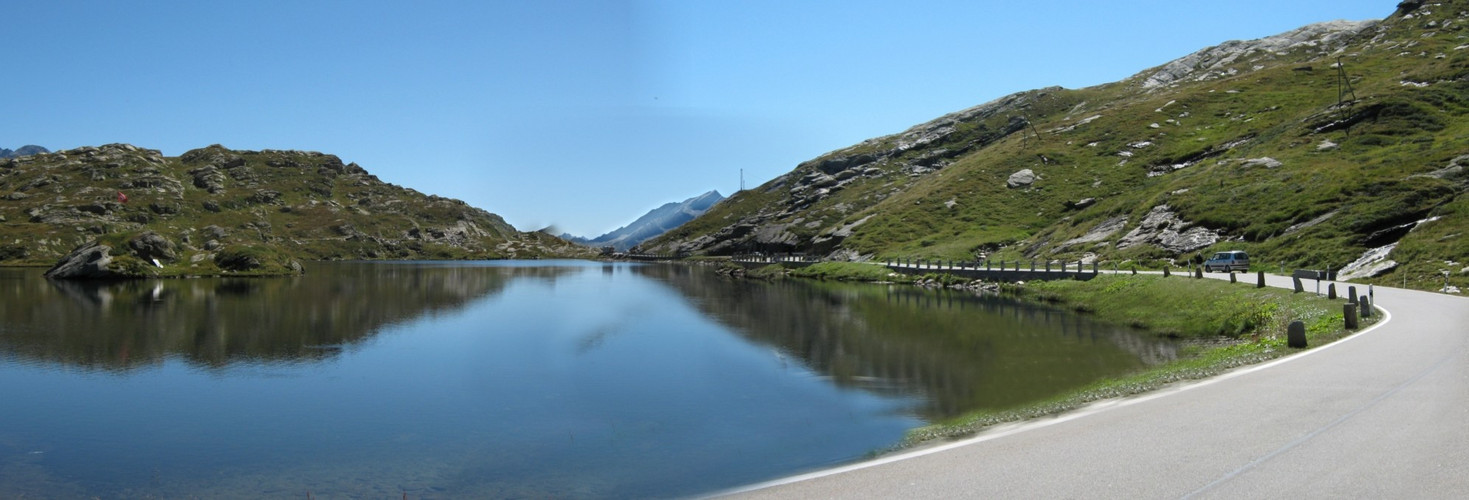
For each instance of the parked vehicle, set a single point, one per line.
(1233, 260)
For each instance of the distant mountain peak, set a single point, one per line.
(26, 150)
(654, 223)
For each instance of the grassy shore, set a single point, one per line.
(1224, 325)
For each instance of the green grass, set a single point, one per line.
(846, 271)
(1188, 308)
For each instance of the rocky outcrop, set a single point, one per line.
(1100, 233)
(90, 261)
(1163, 228)
(1233, 57)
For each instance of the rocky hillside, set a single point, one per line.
(654, 223)
(1334, 145)
(219, 211)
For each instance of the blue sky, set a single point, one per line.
(581, 114)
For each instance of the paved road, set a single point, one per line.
(1382, 414)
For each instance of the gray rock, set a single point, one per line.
(235, 261)
(214, 232)
(208, 178)
(1373, 262)
(1022, 178)
(1266, 162)
(89, 261)
(150, 245)
(265, 197)
(1099, 233)
(1165, 229)
(1219, 61)
(1454, 170)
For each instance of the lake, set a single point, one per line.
(501, 379)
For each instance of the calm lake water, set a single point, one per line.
(500, 379)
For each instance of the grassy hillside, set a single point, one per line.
(216, 207)
(1261, 146)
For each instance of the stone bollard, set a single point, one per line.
(1366, 307)
(1165, 272)
(1032, 266)
(1295, 335)
(1134, 269)
(986, 264)
(1198, 273)
(1352, 295)
(1231, 277)
(1260, 281)
(1349, 314)
(1094, 268)
(1048, 265)
(1297, 282)
(1331, 291)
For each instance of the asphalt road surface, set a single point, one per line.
(1381, 414)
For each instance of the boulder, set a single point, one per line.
(1021, 179)
(1080, 204)
(208, 178)
(150, 245)
(89, 261)
(237, 261)
(214, 232)
(1266, 162)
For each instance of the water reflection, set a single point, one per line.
(959, 351)
(118, 326)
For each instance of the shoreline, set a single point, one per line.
(1207, 357)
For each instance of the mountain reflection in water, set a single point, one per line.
(959, 351)
(213, 322)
